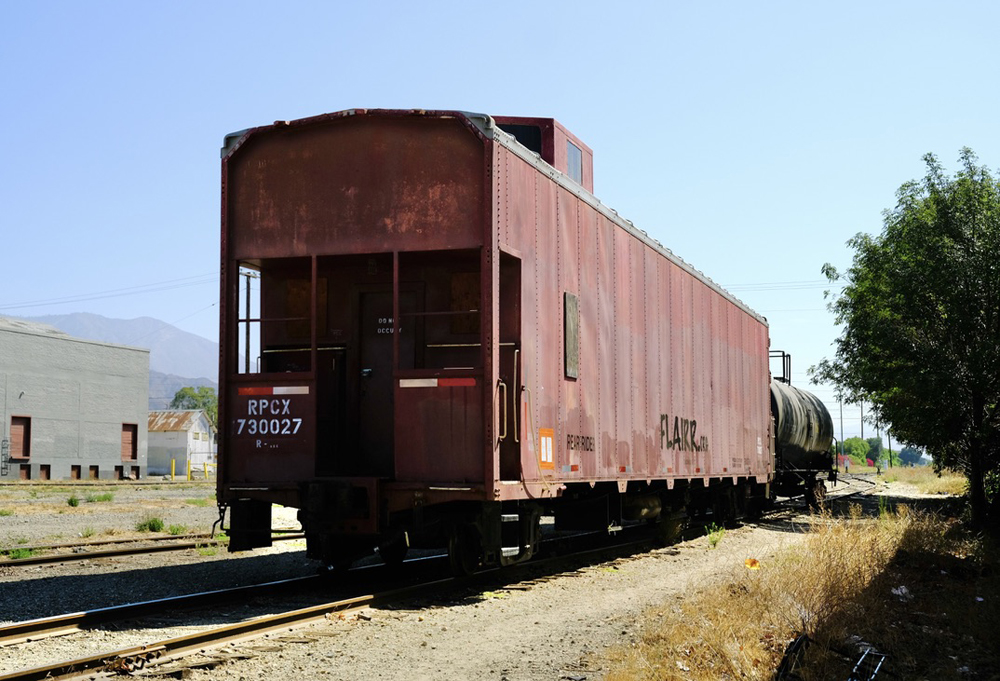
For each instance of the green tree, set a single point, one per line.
(875, 448)
(910, 456)
(857, 449)
(198, 398)
(920, 313)
(891, 457)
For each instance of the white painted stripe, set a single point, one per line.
(418, 383)
(291, 390)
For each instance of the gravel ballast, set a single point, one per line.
(558, 628)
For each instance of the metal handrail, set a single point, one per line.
(503, 389)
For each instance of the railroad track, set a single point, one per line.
(55, 553)
(61, 625)
(160, 655)
(172, 654)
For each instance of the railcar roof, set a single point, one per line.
(485, 124)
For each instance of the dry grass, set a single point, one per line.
(836, 586)
(927, 481)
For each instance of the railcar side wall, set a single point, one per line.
(673, 375)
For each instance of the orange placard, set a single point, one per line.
(546, 442)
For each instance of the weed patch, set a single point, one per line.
(19, 554)
(97, 498)
(177, 529)
(73, 501)
(843, 585)
(4, 512)
(927, 481)
(715, 534)
(150, 524)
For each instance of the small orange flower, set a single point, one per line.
(752, 564)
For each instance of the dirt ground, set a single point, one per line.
(556, 629)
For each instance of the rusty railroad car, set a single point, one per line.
(432, 333)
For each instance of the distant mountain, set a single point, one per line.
(171, 351)
(177, 359)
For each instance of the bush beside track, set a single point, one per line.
(912, 585)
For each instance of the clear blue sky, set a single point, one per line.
(753, 139)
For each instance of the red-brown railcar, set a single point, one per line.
(432, 332)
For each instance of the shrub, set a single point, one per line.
(150, 524)
(824, 588)
(715, 534)
(73, 501)
(177, 529)
(87, 532)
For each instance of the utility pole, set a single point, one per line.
(841, 432)
(878, 434)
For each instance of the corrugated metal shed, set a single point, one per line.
(173, 420)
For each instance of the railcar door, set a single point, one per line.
(375, 386)
(512, 427)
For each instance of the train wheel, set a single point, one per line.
(465, 550)
(669, 528)
(819, 492)
(724, 508)
(815, 494)
(393, 553)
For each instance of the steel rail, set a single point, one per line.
(127, 540)
(61, 625)
(129, 551)
(132, 658)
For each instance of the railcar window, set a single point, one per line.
(248, 326)
(574, 162)
(274, 317)
(529, 136)
(571, 334)
(446, 324)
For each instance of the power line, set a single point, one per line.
(168, 285)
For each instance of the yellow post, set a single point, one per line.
(205, 468)
(189, 467)
(173, 467)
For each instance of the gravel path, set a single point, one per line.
(555, 629)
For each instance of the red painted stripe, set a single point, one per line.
(255, 390)
(456, 382)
